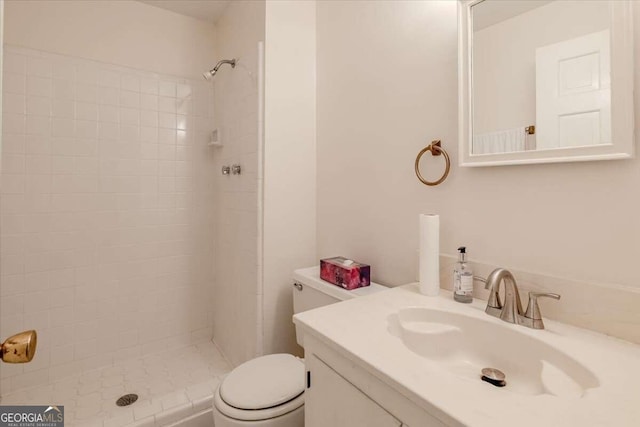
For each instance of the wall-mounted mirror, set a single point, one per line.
(545, 81)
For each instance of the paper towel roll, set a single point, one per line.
(429, 254)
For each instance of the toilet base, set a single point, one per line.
(294, 418)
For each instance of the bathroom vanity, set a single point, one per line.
(399, 358)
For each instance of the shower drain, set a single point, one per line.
(127, 399)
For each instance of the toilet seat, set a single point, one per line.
(263, 388)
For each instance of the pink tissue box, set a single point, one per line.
(345, 273)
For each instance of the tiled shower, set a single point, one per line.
(105, 188)
(113, 216)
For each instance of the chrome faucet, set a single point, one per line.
(512, 311)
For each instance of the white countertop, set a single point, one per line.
(358, 329)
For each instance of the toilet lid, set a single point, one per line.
(264, 382)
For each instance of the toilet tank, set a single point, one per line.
(309, 292)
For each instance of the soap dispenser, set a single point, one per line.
(462, 278)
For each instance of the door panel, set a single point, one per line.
(573, 92)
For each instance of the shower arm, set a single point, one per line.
(212, 72)
(231, 62)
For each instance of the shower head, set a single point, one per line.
(212, 72)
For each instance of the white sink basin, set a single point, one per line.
(464, 345)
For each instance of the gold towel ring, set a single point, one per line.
(435, 150)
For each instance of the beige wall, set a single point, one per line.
(127, 33)
(387, 85)
(289, 162)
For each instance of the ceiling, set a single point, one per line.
(206, 10)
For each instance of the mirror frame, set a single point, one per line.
(622, 112)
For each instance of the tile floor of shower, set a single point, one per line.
(171, 386)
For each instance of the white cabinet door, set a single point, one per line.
(573, 92)
(333, 401)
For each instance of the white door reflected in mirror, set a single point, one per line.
(545, 81)
(573, 92)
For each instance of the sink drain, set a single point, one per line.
(494, 377)
(127, 399)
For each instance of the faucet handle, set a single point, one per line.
(533, 310)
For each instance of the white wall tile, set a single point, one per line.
(234, 302)
(167, 104)
(86, 129)
(108, 78)
(39, 86)
(61, 127)
(14, 63)
(93, 233)
(38, 184)
(149, 102)
(14, 83)
(182, 138)
(13, 103)
(38, 66)
(13, 144)
(149, 86)
(130, 82)
(36, 165)
(86, 92)
(129, 99)
(64, 69)
(166, 136)
(86, 111)
(129, 116)
(62, 108)
(37, 144)
(167, 88)
(12, 184)
(108, 96)
(13, 123)
(63, 89)
(38, 125)
(13, 164)
(149, 118)
(167, 120)
(87, 72)
(183, 90)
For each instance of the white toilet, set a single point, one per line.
(268, 391)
